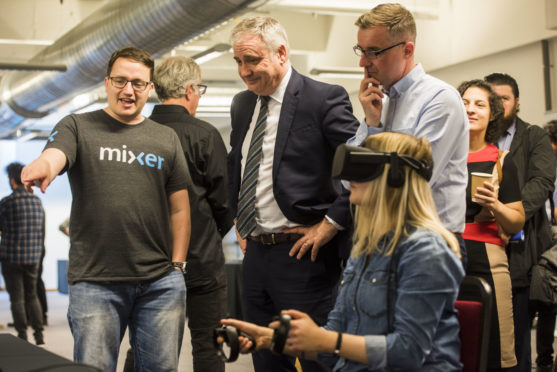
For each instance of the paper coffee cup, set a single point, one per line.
(478, 180)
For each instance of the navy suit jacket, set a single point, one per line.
(314, 119)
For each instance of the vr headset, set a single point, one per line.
(354, 163)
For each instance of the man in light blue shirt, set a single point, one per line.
(397, 95)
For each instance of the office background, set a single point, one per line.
(457, 40)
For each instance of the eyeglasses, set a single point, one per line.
(202, 88)
(373, 54)
(120, 82)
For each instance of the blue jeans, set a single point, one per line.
(154, 311)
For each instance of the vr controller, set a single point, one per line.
(281, 333)
(228, 335)
(226, 341)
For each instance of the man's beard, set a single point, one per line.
(507, 121)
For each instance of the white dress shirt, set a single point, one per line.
(269, 217)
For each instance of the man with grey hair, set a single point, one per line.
(397, 95)
(178, 85)
(291, 220)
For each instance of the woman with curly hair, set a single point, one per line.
(494, 211)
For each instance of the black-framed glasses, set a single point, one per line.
(202, 88)
(120, 82)
(373, 54)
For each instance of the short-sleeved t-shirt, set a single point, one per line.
(120, 176)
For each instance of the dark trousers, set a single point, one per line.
(274, 281)
(21, 284)
(41, 290)
(545, 334)
(205, 307)
(522, 324)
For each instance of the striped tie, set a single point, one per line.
(246, 200)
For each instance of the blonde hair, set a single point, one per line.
(384, 208)
(397, 19)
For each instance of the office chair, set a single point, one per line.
(474, 315)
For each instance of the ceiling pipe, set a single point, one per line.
(25, 66)
(155, 26)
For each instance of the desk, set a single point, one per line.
(17, 355)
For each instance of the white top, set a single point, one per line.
(268, 216)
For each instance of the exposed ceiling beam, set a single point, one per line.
(27, 66)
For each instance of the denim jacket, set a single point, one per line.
(423, 322)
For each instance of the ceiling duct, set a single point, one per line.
(155, 26)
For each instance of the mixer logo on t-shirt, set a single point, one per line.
(127, 156)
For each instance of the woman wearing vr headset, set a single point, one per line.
(493, 213)
(395, 307)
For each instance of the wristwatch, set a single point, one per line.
(180, 265)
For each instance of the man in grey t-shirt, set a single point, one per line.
(130, 222)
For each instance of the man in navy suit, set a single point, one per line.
(291, 219)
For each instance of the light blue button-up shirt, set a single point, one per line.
(504, 142)
(424, 324)
(424, 106)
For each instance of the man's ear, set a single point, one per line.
(409, 49)
(189, 91)
(282, 54)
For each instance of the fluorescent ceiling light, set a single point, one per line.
(338, 73)
(26, 42)
(344, 6)
(213, 109)
(22, 137)
(208, 100)
(190, 48)
(349, 7)
(211, 53)
(218, 88)
(81, 100)
(207, 57)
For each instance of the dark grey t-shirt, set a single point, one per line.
(120, 176)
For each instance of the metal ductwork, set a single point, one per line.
(155, 26)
